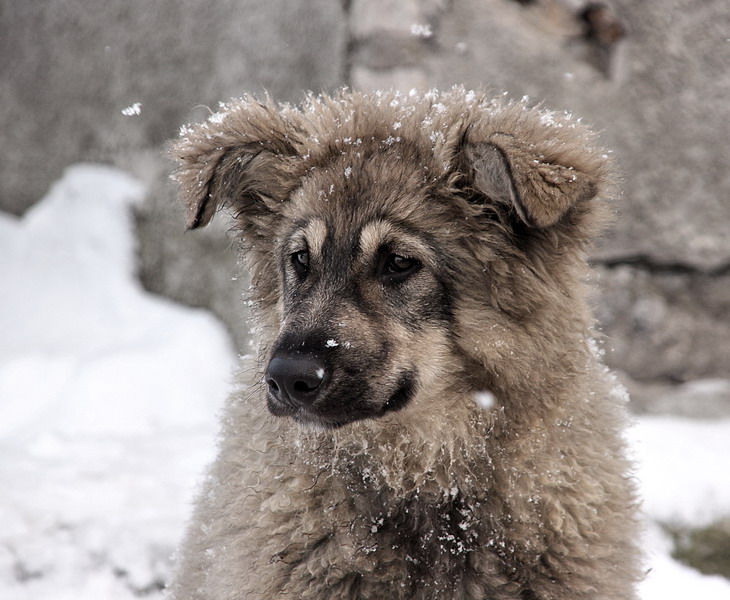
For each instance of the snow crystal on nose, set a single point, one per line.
(484, 399)
(320, 373)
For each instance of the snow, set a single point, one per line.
(484, 399)
(108, 398)
(421, 30)
(108, 402)
(670, 580)
(132, 110)
(684, 468)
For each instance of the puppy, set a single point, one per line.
(427, 416)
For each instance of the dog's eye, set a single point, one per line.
(300, 260)
(397, 268)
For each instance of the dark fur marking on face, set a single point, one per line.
(403, 395)
(356, 409)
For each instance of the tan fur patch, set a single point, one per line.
(316, 234)
(373, 235)
(380, 233)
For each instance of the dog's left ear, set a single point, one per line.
(541, 185)
(243, 157)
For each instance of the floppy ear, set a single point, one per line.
(540, 185)
(243, 158)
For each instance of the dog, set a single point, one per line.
(426, 415)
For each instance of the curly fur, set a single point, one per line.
(530, 498)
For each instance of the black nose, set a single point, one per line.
(296, 378)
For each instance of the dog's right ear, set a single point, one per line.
(540, 185)
(243, 157)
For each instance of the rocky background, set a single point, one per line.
(112, 83)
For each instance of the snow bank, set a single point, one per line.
(684, 469)
(108, 397)
(670, 580)
(685, 480)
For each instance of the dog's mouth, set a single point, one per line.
(337, 408)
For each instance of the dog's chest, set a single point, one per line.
(431, 537)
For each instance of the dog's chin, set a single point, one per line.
(326, 418)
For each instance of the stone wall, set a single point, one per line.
(651, 75)
(70, 68)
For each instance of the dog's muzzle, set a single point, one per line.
(312, 389)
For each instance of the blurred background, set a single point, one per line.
(110, 82)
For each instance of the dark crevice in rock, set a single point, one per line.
(602, 26)
(593, 30)
(651, 265)
(603, 32)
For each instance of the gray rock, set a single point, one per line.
(659, 95)
(671, 325)
(68, 72)
(707, 399)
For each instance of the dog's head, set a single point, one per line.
(382, 231)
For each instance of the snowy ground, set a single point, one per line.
(108, 398)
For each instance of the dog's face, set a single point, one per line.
(371, 235)
(364, 281)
